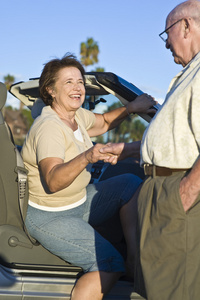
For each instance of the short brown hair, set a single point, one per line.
(49, 74)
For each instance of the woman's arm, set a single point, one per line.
(110, 120)
(59, 175)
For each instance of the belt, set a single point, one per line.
(151, 170)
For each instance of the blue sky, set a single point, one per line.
(33, 32)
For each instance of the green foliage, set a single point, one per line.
(8, 80)
(98, 69)
(89, 52)
(9, 107)
(19, 141)
(28, 118)
(99, 139)
(131, 129)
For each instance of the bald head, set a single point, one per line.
(183, 30)
(190, 8)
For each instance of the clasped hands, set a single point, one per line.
(189, 186)
(112, 152)
(108, 153)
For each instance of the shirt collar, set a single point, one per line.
(189, 65)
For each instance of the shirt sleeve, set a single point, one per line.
(195, 110)
(50, 141)
(86, 117)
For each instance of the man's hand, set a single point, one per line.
(121, 151)
(114, 150)
(188, 192)
(190, 186)
(94, 154)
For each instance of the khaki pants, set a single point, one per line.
(168, 264)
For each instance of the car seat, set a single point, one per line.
(17, 248)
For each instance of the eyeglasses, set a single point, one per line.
(164, 35)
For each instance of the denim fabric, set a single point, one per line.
(69, 234)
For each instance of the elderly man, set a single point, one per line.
(169, 200)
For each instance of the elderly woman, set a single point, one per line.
(63, 206)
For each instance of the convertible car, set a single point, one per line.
(27, 270)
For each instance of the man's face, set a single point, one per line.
(176, 41)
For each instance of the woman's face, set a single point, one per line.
(69, 90)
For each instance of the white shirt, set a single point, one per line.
(172, 139)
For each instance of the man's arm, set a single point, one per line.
(190, 186)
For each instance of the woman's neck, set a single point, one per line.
(68, 117)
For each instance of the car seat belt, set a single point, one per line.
(21, 174)
(22, 185)
(22, 180)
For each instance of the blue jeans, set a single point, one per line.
(70, 234)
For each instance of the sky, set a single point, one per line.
(34, 32)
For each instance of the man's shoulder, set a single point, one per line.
(195, 64)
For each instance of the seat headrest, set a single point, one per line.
(37, 108)
(3, 95)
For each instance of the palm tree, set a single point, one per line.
(129, 130)
(98, 69)
(137, 130)
(89, 52)
(121, 132)
(8, 80)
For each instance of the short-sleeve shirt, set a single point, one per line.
(172, 139)
(50, 137)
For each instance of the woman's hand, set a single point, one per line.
(113, 150)
(142, 104)
(120, 151)
(93, 154)
(59, 174)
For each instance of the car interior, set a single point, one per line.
(18, 250)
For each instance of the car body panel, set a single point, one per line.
(96, 83)
(14, 285)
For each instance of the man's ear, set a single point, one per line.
(187, 27)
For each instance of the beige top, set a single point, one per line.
(172, 139)
(50, 137)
